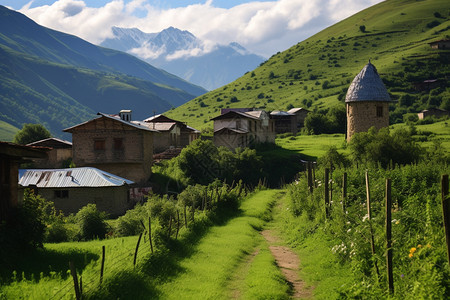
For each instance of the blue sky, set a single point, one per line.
(263, 27)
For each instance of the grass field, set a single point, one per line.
(201, 265)
(7, 132)
(316, 145)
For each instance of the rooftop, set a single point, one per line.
(367, 86)
(73, 177)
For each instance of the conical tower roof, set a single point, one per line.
(367, 86)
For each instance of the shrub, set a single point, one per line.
(25, 227)
(362, 28)
(92, 222)
(385, 148)
(130, 223)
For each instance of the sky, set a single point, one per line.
(263, 27)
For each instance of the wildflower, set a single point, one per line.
(398, 222)
(365, 217)
(403, 275)
(394, 221)
(419, 246)
(411, 252)
(349, 230)
(428, 246)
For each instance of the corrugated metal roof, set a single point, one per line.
(280, 113)
(65, 178)
(367, 86)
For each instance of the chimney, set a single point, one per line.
(125, 115)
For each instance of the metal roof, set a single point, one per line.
(134, 124)
(233, 115)
(367, 86)
(159, 126)
(68, 178)
(52, 143)
(296, 109)
(280, 113)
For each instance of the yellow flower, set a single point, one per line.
(413, 249)
(428, 246)
(410, 255)
(419, 246)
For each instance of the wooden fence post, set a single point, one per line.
(178, 224)
(103, 265)
(73, 272)
(369, 219)
(446, 211)
(136, 251)
(327, 194)
(389, 236)
(344, 190)
(150, 233)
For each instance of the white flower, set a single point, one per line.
(365, 217)
(349, 230)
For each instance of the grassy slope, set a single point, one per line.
(7, 131)
(202, 268)
(315, 146)
(396, 35)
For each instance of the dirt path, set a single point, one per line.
(289, 263)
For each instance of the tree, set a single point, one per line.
(362, 28)
(31, 133)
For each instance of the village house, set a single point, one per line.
(441, 44)
(171, 133)
(11, 155)
(300, 115)
(71, 189)
(290, 121)
(283, 122)
(60, 153)
(234, 129)
(367, 102)
(436, 112)
(115, 144)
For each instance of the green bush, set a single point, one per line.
(380, 146)
(92, 222)
(26, 225)
(131, 223)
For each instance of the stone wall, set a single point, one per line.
(133, 160)
(361, 115)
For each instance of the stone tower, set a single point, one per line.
(367, 102)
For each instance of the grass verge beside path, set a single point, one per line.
(209, 272)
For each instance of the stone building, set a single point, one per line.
(71, 189)
(115, 144)
(60, 153)
(367, 102)
(243, 129)
(171, 133)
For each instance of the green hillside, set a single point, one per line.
(59, 80)
(316, 73)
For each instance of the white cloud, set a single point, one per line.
(261, 27)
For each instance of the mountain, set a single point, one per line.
(316, 73)
(181, 53)
(60, 80)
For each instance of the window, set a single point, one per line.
(62, 194)
(118, 144)
(99, 145)
(379, 111)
